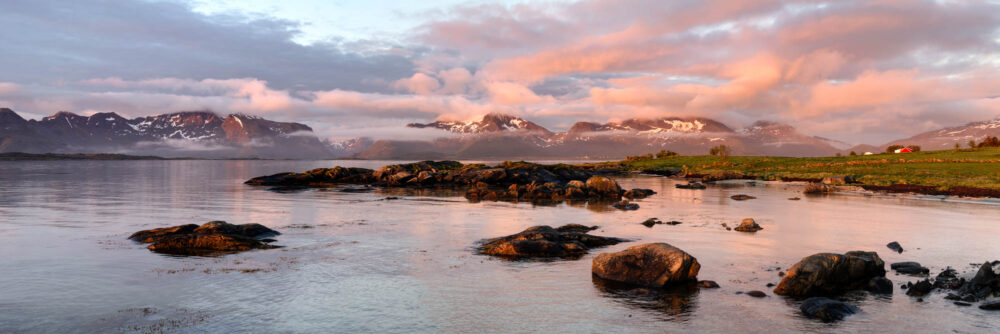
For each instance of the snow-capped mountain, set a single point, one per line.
(193, 133)
(490, 123)
(947, 138)
(499, 136)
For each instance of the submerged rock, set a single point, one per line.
(895, 246)
(625, 205)
(655, 221)
(544, 241)
(652, 265)
(910, 268)
(638, 193)
(691, 185)
(826, 309)
(829, 274)
(742, 197)
(211, 237)
(748, 225)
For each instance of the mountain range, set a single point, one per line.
(202, 134)
(198, 134)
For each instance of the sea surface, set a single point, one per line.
(357, 263)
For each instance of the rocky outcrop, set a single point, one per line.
(544, 241)
(830, 274)
(826, 309)
(316, 177)
(748, 225)
(508, 181)
(210, 238)
(652, 265)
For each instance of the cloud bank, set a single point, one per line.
(857, 71)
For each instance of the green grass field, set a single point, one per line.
(975, 168)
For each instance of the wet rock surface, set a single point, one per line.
(651, 265)
(827, 310)
(566, 241)
(895, 246)
(826, 274)
(748, 225)
(910, 268)
(879, 285)
(214, 237)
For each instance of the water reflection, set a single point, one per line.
(676, 302)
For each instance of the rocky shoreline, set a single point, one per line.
(508, 181)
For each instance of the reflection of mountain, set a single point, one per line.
(191, 134)
(498, 136)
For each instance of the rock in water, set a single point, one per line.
(653, 265)
(691, 185)
(895, 246)
(207, 239)
(879, 285)
(638, 193)
(828, 274)
(919, 289)
(625, 205)
(708, 285)
(910, 268)
(742, 197)
(748, 225)
(827, 309)
(757, 294)
(991, 305)
(651, 221)
(544, 241)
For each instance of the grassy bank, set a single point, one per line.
(926, 172)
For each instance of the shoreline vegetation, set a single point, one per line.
(973, 172)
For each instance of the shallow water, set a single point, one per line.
(353, 262)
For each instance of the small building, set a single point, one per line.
(904, 150)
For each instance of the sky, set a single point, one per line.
(855, 71)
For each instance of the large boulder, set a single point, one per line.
(826, 309)
(603, 187)
(830, 274)
(653, 265)
(748, 225)
(544, 241)
(209, 238)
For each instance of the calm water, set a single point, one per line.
(356, 263)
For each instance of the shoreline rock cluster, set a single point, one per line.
(508, 181)
(214, 237)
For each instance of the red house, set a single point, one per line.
(904, 150)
